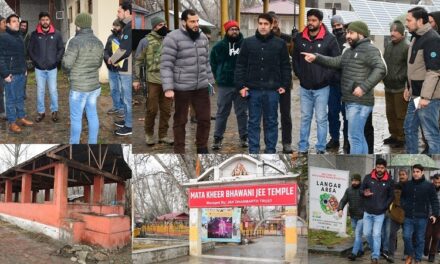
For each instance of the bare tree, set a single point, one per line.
(13, 154)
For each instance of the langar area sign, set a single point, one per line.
(244, 195)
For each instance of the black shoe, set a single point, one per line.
(202, 151)
(389, 140)
(217, 144)
(212, 117)
(426, 150)
(360, 253)
(40, 117)
(320, 152)
(124, 131)
(55, 117)
(390, 259)
(244, 142)
(352, 257)
(398, 144)
(303, 153)
(346, 147)
(332, 144)
(431, 258)
(287, 148)
(193, 120)
(385, 255)
(120, 124)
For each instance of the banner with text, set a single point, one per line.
(245, 195)
(327, 187)
(221, 224)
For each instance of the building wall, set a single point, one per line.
(104, 12)
(29, 10)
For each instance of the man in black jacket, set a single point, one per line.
(378, 193)
(418, 196)
(353, 197)
(314, 79)
(13, 72)
(262, 73)
(46, 50)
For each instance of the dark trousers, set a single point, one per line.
(334, 108)
(157, 101)
(432, 237)
(394, 228)
(202, 107)
(286, 118)
(396, 108)
(2, 99)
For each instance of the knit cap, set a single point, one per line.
(83, 20)
(359, 27)
(156, 21)
(336, 19)
(356, 177)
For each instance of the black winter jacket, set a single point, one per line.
(314, 76)
(108, 51)
(383, 193)
(263, 64)
(417, 197)
(46, 50)
(353, 197)
(12, 57)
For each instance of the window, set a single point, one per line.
(90, 6)
(78, 7)
(337, 6)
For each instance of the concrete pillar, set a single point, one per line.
(47, 195)
(8, 191)
(98, 188)
(34, 196)
(60, 189)
(195, 232)
(87, 189)
(120, 192)
(26, 185)
(291, 236)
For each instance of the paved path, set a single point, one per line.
(269, 249)
(48, 132)
(230, 142)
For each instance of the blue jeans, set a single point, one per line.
(15, 98)
(78, 102)
(115, 90)
(357, 226)
(227, 96)
(357, 116)
(372, 231)
(50, 77)
(427, 118)
(416, 227)
(313, 100)
(334, 109)
(126, 84)
(386, 234)
(263, 103)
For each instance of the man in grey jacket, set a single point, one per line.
(82, 60)
(362, 69)
(186, 76)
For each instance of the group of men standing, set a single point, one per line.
(380, 205)
(81, 59)
(254, 75)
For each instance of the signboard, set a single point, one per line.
(245, 195)
(221, 224)
(327, 187)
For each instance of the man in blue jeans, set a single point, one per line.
(262, 73)
(123, 54)
(423, 78)
(377, 195)
(363, 67)
(353, 197)
(46, 49)
(314, 79)
(13, 72)
(418, 196)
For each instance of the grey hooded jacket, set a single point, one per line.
(184, 63)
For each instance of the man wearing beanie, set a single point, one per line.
(223, 59)
(82, 65)
(424, 86)
(395, 55)
(285, 98)
(186, 77)
(113, 77)
(314, 79)
(46, 50)
(335, 106)
(362, 68)
(149, 58)
(353, 197)
(122, 59)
